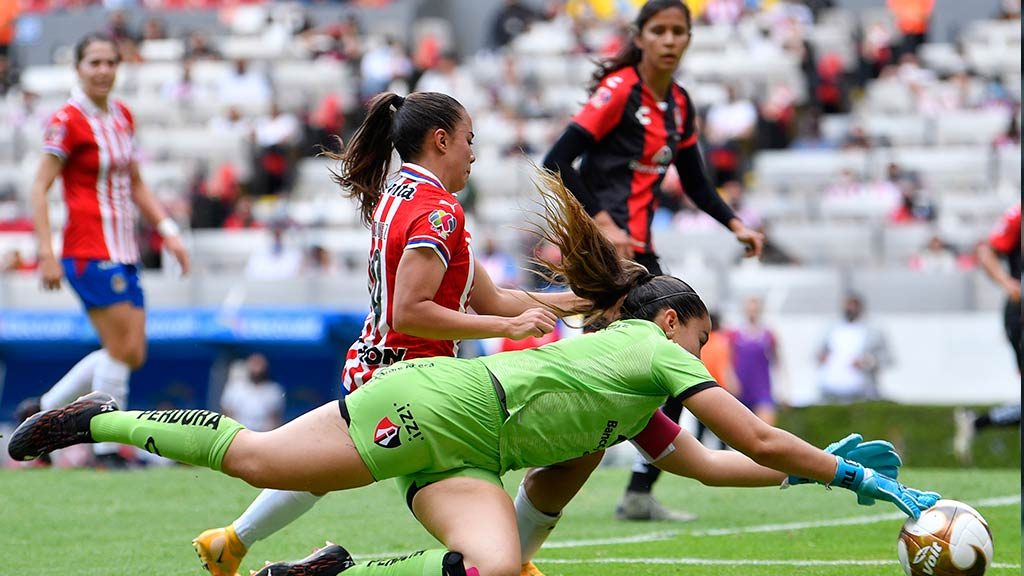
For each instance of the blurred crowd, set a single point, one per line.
(253, 192)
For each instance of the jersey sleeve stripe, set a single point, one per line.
(55, 151)
(696, 388)
(433, 245)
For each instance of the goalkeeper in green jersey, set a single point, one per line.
(449, 428)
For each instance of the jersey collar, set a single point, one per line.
(86, 103)
(421, 174)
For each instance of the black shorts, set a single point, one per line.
(650, 261)
(1012, 324)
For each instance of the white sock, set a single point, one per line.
(271, 511)
(74, 384)
(534, 525)
(111, 376)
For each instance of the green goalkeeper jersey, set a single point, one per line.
(585, 394)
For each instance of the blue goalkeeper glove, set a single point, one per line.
(872, 485)
(876, 454)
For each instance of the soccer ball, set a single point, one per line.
(950, 539)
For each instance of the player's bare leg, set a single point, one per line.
(475, 518)
(312, 453)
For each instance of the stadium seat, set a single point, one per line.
(898, 129)
(942, 57)
(971, 126)
(314, 178)
(805, 169)
(911, 291)
(888, 96)
(821, 243)
(49, 80)
(900, 243)
(789, 289)
(168, 49)
(940, 168)
(1009, 165)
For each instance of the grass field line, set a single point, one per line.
(849, 521)
(670, 534)
(720, 562)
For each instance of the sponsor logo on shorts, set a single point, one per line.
(386, 434)
(412, 429)
(442, 222)
(118, 284)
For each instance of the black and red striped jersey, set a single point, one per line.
(1005, 239)
(636, 137)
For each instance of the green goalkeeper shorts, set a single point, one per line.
(426, 420)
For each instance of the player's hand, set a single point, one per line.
(51, 272)
(876, 454)
(174, 245)
(1012, 289)
(752, 240)
(533, 322)
(624, 244)
(876, 486)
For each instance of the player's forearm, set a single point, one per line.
(427, 319)
(989, 261)
(697, 185)
(727, 468)
(147, 203)
(41, 220)
(782, 451)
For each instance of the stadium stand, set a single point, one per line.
(947, 119)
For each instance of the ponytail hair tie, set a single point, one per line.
(397, 102)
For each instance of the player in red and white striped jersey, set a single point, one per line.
(90, 145)
(422, 280)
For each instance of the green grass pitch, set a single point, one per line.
(82, 523)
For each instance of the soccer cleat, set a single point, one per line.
(52, 430)
(963, 438)
(220, 550)
(327, 561)
(530, 570)
(639, 506)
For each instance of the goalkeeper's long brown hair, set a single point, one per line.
(592, 268)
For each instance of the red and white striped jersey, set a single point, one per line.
(97, 148)
(415, 211)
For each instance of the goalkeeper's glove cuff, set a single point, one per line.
(849, 475)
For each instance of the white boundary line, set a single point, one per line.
(670, 534)
(717, 562)
(849, 521)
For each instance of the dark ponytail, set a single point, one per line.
(592, 268)
(629, 54)
(392, 122)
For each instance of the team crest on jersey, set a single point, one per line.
(118, 284)
(663, 156)
(55, 133)
(602, 96)
(386, 434)
(442, 222)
